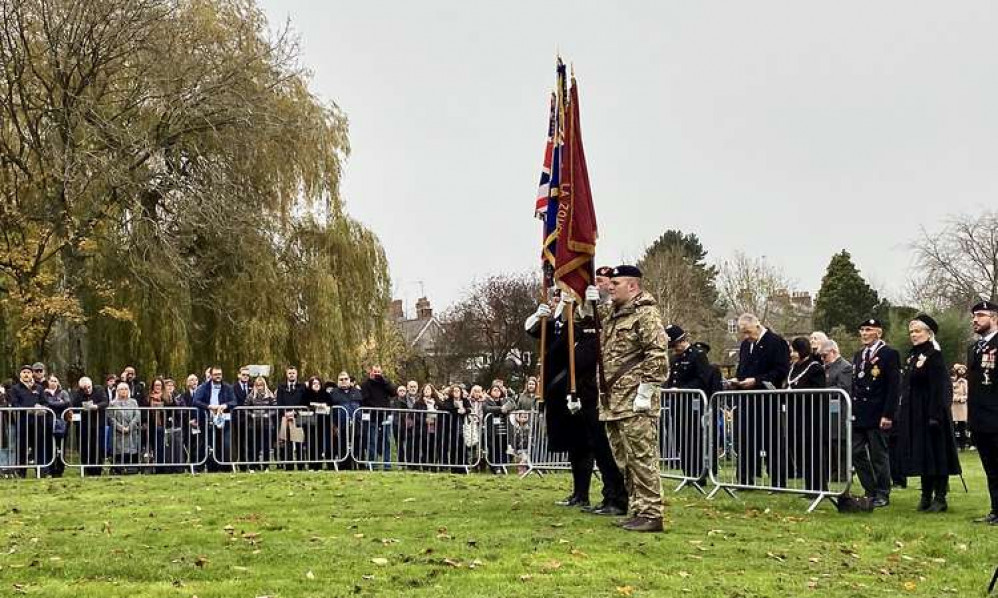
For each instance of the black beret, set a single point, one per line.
(702, 346)
(626, 270)
(985, 305)
(872, 323)
(928, 321)
(675, 333)
(604, 271)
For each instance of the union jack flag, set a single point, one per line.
(546, 205)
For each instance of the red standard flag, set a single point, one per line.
(573, 267)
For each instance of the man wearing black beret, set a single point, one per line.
(876, 387)
(982, 397)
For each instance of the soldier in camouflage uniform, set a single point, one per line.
(636, 364)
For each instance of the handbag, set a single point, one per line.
(59, 428)
(471, 433)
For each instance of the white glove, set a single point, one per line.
(592, 294)
(566, 298)
(543, 311)
(574, 405)
(646, 391)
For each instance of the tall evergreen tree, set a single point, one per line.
(677, 274)
(845, 298)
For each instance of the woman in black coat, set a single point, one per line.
(925, 434)
(808, 432)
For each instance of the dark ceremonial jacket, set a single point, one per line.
(691, 370)
(876, 387)
(566, 430)
(924, 421)
(982, 388)
(766, 360)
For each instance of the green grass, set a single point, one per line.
(283, 534)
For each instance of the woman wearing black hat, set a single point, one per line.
(925, 426)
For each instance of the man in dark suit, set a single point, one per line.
(763, 364)
(876, 388)
(982, 397)
(241, 388)
(92, 403)
(215, 400)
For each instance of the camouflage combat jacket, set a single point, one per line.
(634, 331)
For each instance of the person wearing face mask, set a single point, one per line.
(319, 435)
(925, 431)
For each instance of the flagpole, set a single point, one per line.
(571, 348)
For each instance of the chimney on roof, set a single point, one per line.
(423, 309)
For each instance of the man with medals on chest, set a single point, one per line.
(876, 387)
(982, 397)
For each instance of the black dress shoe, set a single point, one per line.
(938, 505)
(880, 501)
(612, 510)
(572, 501)
(990, 519)
(924, 503)
(591, 508)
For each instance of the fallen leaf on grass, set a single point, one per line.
(684, 574)
(309, 575)
(578, 553)
(229, 529)
(814, 559)
(910, 586)
(526, 577)
(475, 564)
(387, 541)
(552, 565)
(379, 561)
(201, 561)
(358, 536)
(452, 563)
(776, 557)
(240, 569)
(107, 527)
(625, 590)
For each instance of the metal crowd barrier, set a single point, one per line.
(683, 437)
(132, 439)
(26, 440)
(795, 441)
(416, 439)
(540, 457)
(261, 436)
(506, 440)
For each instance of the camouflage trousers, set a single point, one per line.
(634, 442)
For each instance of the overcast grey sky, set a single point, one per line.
(785, 129)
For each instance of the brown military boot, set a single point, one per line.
(644, 524)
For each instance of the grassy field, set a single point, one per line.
(283, 534)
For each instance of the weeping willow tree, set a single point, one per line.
(169, 194)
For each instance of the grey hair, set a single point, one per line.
(84, 381)
(749, 320)
(830, 345)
